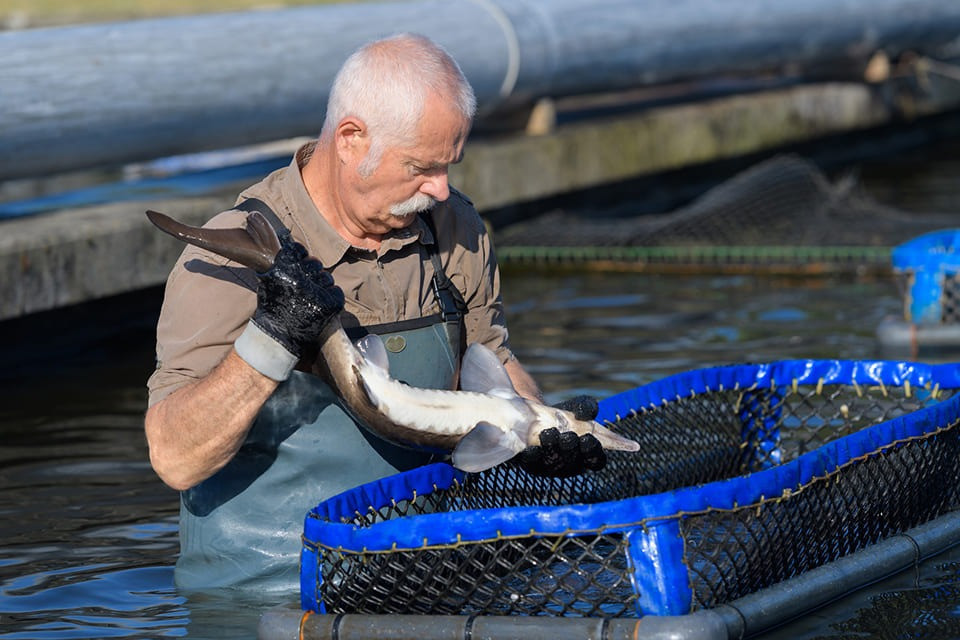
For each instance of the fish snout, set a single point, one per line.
(613, 441)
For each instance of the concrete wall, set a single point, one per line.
(71, 256)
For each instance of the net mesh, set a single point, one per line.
(781, 212)
(729, 552)
(950, 300)
(687, 441)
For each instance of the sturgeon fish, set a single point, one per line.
(484, 424)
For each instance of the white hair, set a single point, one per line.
(385, 83)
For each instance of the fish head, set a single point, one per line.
(563, 420)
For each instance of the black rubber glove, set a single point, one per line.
(561, 455)
(296, 299)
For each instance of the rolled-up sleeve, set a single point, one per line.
(207, 303)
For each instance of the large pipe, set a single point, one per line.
(94, 95)
(745, 617)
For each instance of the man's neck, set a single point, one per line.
(316, 178)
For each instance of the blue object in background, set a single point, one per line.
(929, 259)
(179, 185)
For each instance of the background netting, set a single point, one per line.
(781, 213)
(731, 540)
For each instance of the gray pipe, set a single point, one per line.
(286, 624)
(87, 96)
(744, 617)
(765, 609)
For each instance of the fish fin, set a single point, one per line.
(371, 348)
(481, 371)
(255, 245)
(485, 446)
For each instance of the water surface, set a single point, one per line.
(88, 536)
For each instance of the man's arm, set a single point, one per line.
(523, 382)
(196, 430)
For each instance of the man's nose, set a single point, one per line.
(436, 186)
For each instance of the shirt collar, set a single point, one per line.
(418, 231)
(320, 239)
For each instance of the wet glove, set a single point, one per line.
(296, 299)
(561, 455)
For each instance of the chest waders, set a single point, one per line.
(241, 527)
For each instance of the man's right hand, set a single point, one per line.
(296, 299)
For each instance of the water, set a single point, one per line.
(89, 534)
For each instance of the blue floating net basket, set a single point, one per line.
(747, 475)
(928, 270)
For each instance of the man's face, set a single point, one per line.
(408, 179)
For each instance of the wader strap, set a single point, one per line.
(452, 306)
(355, 333)
(451, 300)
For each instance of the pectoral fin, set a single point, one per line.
(485, 446)
(481, 371)
(371, 347)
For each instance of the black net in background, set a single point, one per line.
(781, 214)
(688, 441)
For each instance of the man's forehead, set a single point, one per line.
(422, 158)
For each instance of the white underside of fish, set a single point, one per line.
(490, 420)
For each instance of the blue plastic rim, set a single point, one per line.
(928, 259)
(649, 522)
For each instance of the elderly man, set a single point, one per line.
(235, 423)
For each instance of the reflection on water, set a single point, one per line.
(606, 333)
(88, 537)
(899, 608)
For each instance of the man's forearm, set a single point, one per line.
(195, 431)
(523, 382)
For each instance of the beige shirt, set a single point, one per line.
(209, 299)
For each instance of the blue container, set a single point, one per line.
(930, 264)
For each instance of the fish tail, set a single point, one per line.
(254, 246)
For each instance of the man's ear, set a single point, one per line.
(352, 140)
